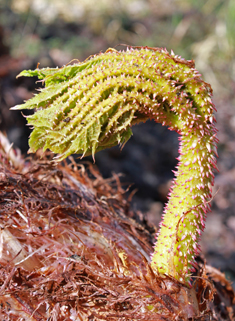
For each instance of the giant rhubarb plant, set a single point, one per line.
(89, 106)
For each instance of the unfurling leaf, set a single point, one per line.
(89, 106)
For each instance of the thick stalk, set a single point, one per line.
(90, 106)
(184, 215)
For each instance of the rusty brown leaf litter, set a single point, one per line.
(66, 234)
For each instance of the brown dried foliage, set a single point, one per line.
(71, 250)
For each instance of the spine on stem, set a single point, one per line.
(184, 216)
(89, 106)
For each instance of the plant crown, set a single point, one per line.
(89, 106)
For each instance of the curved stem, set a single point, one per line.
(90, 106)
(185, 214)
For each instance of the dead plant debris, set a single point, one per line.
(71, 249)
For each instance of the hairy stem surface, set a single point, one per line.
(89, 106)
